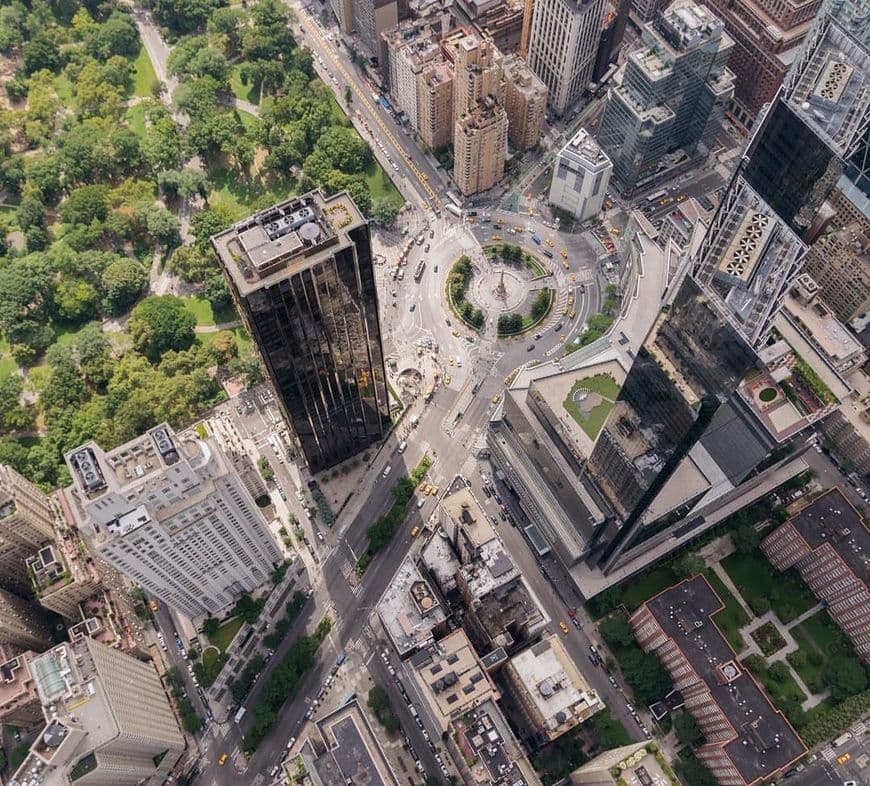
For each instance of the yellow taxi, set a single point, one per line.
(550, 242)
(496, 398)
(457, 333)
(447, 380)
(681, 198)
(564, 264)
(614, 231)
(450, 360)
(496, 237)
(572, 315)
(531, 212)
(564, 627)
(844, 758)
(519, 228)
(573, 277)
(561, 339)
(499, 221)
(433, 490)
(223, 759)
(564, 253)
(414, 532)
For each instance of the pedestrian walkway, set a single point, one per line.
(732, 587)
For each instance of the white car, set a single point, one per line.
(387, 470)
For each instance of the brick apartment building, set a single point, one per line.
(746, 739)
(829, 544)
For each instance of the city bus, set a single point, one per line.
(659, 195)
(239, 715)
(418, 273)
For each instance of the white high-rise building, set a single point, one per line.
(170, 513)
(108, 720)
(563, 43)
(580, 177)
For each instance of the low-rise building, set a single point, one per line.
(550, 690)
(108, 720)
(410, 611)
(806, 310)
(638, 764)
(451, 678)
(746, 739)
(347, 751)
(485, 751)
(580, 177)
(829, 544)
(19, 700)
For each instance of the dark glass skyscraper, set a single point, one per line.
(302, 278)
(680, 431)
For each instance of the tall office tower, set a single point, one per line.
(410, 47)
(612, 32)
(525, 103)
(26, 523)
(167, 511)
(563, 41)
(23, 623)
(302, 277)
(435, 107)
(673, 93)
(688, 426)
(373, 17)
(580, 177)
(766, 34)
(108, 720)
(480, 147)
(19, 700)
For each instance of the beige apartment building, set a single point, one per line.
(108, 720)
(477, 68)
(479, 148)
(26, 523)
(435, 104)
(525, 103)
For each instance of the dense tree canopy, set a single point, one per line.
(159, 324)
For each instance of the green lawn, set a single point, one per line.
(143, 74)
(763, 587)
(732, 617)
(808, 661)
(7, 364)
(826, 635)
(248, 120)
(225, 634)
(244, 92)
(242, 339)
(66, 333)
(779, 691)
(605, 386)
(64, 89)
(650, 583)
(205, 314)
(380, 185)
(135, 117)
(241, 196)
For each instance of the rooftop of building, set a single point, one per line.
(452, 677)
(441, 561)
(554, 684)
(16, 680)
(763, 742)
(831, 519)
(637, 766)
(826, 331)
(493, 755)
(462, 507)
(409, 609)
(518, 73)
(510, 605)
(831, 87)
(353, 753)
(492, 569)
(686, 25)
(585, 150)
(285, 238)
(437, 73)
(94, 471)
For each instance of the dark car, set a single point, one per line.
(530, 347)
